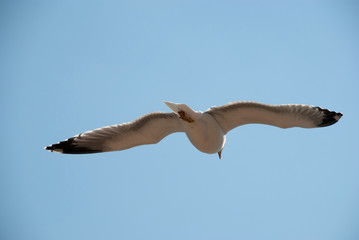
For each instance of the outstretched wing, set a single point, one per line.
(148, 129)
(235, 114)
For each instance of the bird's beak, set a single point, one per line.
(220, 154)
(172, 106)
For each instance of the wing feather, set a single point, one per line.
(235, 114)
(148, 129)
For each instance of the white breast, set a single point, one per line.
(205, 133)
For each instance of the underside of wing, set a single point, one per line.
(235, 114)
(148, 129)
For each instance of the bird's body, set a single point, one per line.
(205, 133)
(206, 130)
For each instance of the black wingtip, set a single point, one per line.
(49, 148)
(329, 118)
(70, 146)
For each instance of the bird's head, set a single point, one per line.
(184, 112)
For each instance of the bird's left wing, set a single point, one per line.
(148, 129)
(235, 114)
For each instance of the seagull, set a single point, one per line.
(205, 130)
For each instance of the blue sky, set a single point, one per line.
(72, 66)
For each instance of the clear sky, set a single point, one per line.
(71, 66)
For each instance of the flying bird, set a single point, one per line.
(206, 130)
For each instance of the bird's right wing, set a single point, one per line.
(148, 129)
(235, 114)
